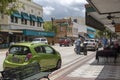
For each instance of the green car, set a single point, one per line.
(20, 54)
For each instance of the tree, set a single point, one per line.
(8, 6)
(106, 32)
(49, 27)
(99, 34)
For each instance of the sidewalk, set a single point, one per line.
(3, 50)
(96, 71)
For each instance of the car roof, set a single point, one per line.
(28, 44)
(40, 38)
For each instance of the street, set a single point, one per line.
(80, 67)
(70, 61)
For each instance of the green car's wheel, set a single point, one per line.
(58, 64)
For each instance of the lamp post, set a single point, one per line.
(66, 29)
(52, 19)
(66, 24)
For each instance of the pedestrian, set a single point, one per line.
(77, 45)
(104, 42)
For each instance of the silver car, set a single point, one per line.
(40, 40)
(91, 44)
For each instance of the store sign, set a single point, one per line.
(38, 33)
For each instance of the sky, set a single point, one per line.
(59, 9)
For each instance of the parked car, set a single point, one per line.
(20, 54)
(40, 40)
(92, 44)
(65, 42)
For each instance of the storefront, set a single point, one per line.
(26, 35)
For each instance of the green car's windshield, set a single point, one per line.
(19, 50)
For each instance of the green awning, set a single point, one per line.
(16, 14)
(91, 35)
(40, 19)
(64, 24)
(33, 17)
(38, 33)
(25, 16)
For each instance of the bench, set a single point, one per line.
(107, 54)
(27, 72)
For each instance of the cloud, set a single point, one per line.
(72, 2)
(62, 8)
(48, 10)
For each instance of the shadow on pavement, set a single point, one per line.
(107, 69)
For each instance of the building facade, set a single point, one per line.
(22, 25)
(64, 29)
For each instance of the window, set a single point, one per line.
(43, 40)
(75, 20)
(39, 49)
(39, 24)
(32, 23)
(48, 50)
(31, 10)
(24, 21)
(14, 19)
(39, 13)
(19, 50)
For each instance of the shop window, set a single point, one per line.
(14, 19)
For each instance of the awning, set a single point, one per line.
(16, 14)
(25, 16)
(90, 29)
(40, 19)
(38, 33)
(33, 17)
(91, 35)
(64, 24)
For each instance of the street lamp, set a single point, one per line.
(52, 19)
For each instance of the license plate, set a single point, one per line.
(15, 59)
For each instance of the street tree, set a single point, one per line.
(107, 33)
